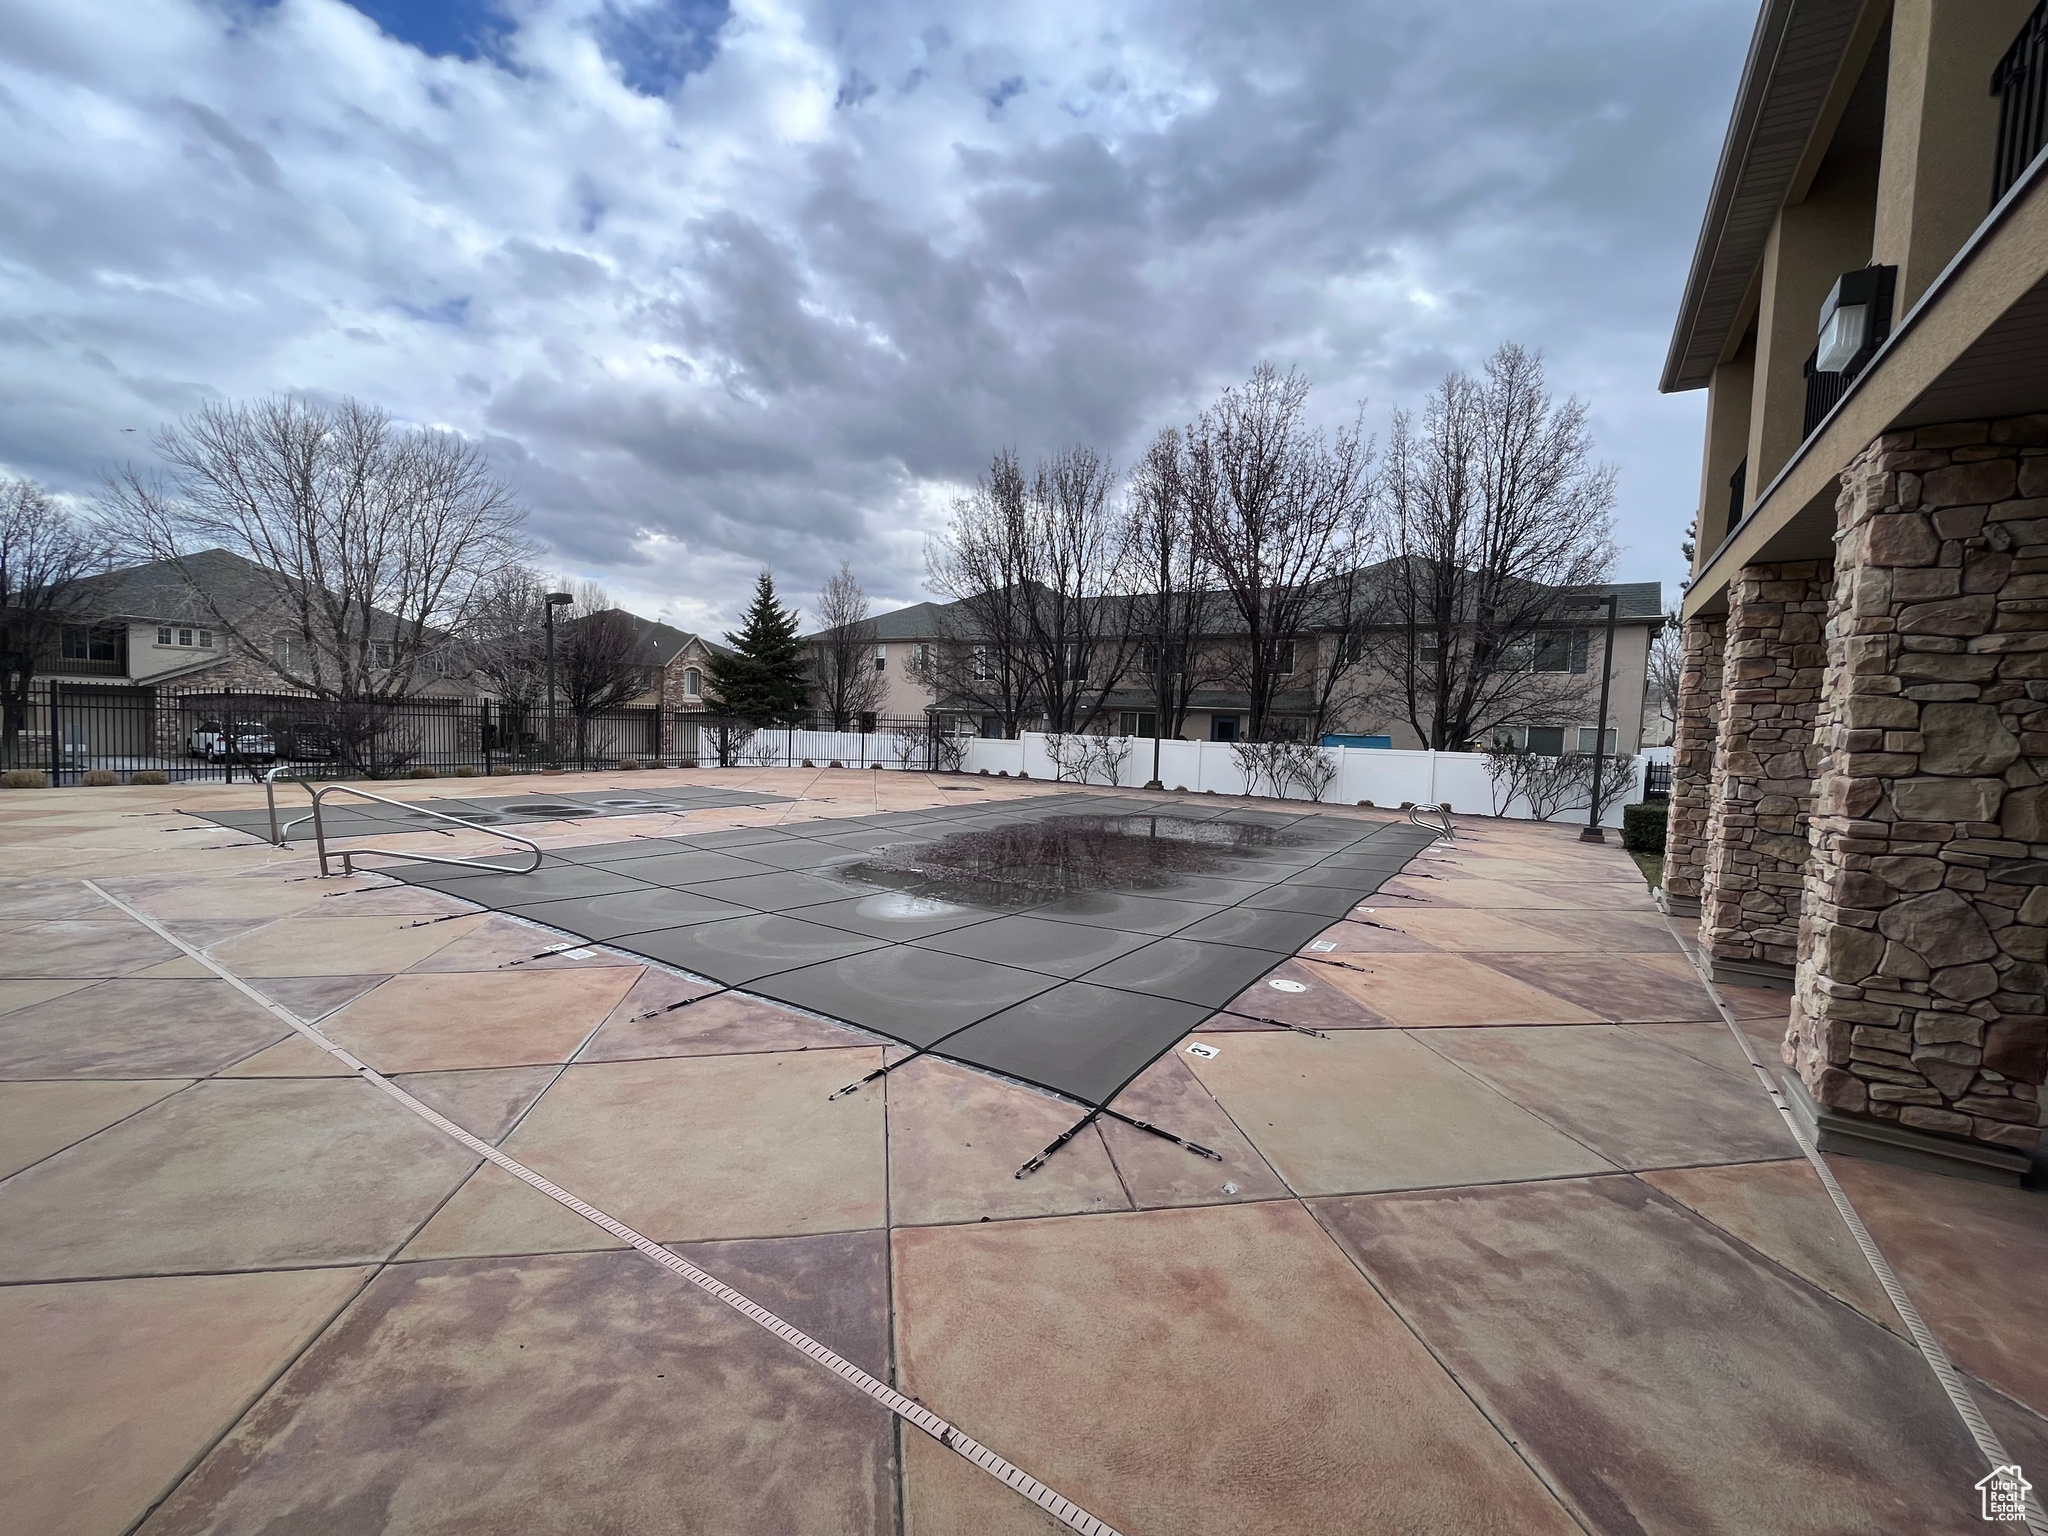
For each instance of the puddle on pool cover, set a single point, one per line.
(1032, 862)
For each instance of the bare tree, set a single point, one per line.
(1499, 522)
(1171, 609)
(1280, 511)
(368, 544)
(982, 659)
(844, 680)
(504, 645)
(46, 559)
(1079, 642)
(601, 659)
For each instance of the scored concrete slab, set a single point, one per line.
(114, 1387)
(1476, 930)
(127, 1028)
(1636, 1102)
(1090, 1352)
(340, 946)
(37, 1119)
(23, 994)
(1158, 1173)
(572, 1393)
(1711, 1043)
(81, 947)
(645, 1025)
(1974, 1258)
(485, 1102)
(249, 1174)
(1618, 933)
(1662, 1378)
(1619, 988)
(1782, 1211)
(691, 1148)
(957, 1139)
(1439, 990)
(1375, 1109)
(418, 1023)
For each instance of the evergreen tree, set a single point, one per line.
(763, 680)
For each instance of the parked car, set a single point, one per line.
(305, 741)
(244, 740)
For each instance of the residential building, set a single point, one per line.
(677, 686)
(1860, 799)
(906, 637)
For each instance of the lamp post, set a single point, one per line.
(1594, 832)
(554, 600)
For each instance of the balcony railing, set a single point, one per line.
(2021, 85)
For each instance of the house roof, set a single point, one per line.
(1640, 602)
(159, 590)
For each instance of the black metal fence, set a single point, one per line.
(1656, 781)
(86, 733)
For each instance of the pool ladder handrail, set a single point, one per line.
(1445, 831)
(280, 836)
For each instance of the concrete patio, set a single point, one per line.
(1518, 1245)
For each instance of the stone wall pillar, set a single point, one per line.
(1919, 1024)
(1705, 640)
(1754, 868)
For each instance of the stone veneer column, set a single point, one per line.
(1919, 1022)
(1756, 844)
(1692, 762)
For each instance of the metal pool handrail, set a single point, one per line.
(348, 854)
(281, 837)
(1445, 831)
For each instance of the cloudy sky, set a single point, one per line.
(724, 287)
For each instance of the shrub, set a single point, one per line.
(835, 763)
(629, 762)
(1643, 826)
(809, 764)
(421, 773)
(503, 771)
(984, 772)
(24, 778)
(99, 778)
(149, 776)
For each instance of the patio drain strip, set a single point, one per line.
(1989, 1446)
(1062, 1509)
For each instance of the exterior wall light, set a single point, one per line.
(1855, 319)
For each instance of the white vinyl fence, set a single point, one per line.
(1385, 777)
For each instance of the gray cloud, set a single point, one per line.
(723, 290)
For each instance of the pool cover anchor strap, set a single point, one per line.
(1121, 1118)
(1260, 1018)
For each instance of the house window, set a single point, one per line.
(380, 655)
(881, 658)
(1223, 727)
(1560, 650)
(1426, 649)
(206, 639)
(1546, 740)
(1133, 722)
(1578, 650)
(984, 665)
(184, 637)
(1588, 738)
(163, 634)
(1077, 663)
(1283, 658)
(920, 657)
(693, 682)
(288, 654)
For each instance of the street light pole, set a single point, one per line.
(554, 600)
(1594, 832)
